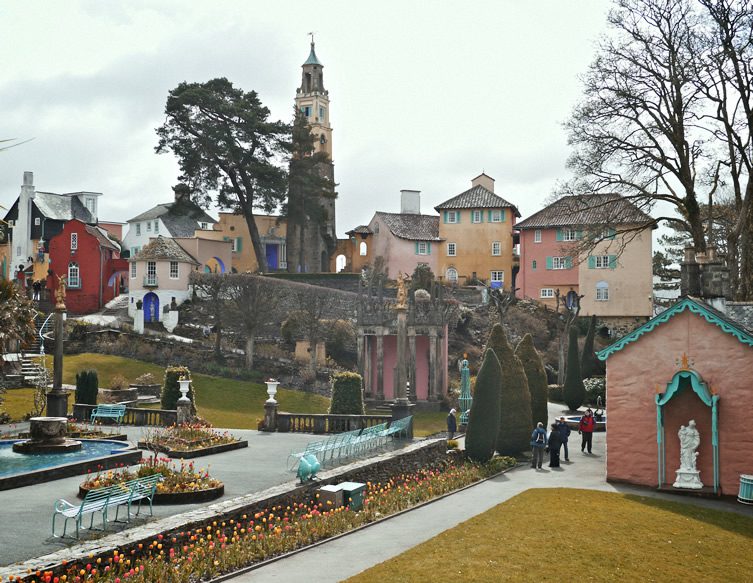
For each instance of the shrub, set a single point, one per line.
(87, 386)
(536, 375)
(118, 383)
(145, 379)
(556, 394)
(574, 391)
(483, 422)
(514, 434)
(595, 387)
(347, 396)
(171, 390)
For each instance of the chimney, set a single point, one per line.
(690, 275)
(483, 180)
(410, 202)
(28, 178)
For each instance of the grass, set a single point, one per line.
(581, 535)
(224, 402)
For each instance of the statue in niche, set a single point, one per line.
(690, 439)
(402, 291)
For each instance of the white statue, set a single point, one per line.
(688, 476)
(689, 442)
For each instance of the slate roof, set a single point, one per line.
(742, 313)
(163, 249)
(589, 209)
(412, 227)
(61, 207)
(359, 230)
(180, 218)
(103, 238)
(477, 197)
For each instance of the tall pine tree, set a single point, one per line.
(515, 400)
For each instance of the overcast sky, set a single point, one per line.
(424, 95)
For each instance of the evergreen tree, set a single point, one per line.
(171, 388)
(515, 400)
(589, 364)
(536, 375)
(483, 421)
(87, 387)
(574, 391)
(347, 396)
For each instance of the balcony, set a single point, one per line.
(151, 281)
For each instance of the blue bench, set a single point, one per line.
(115, 412)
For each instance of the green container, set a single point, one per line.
(746, 489)
(353, 494)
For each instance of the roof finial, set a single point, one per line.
(311, 34)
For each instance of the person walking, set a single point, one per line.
(37, 289)
(553, 445)
(586, 429)
(564, 430)
(452, 424)
(538, 444)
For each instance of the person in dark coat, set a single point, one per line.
(538, 444)
(564, 430)
(555, 442)
(452, 424)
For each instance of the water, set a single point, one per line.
(12, 463)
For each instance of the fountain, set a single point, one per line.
(48, 435)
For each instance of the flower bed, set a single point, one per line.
(182, 485)
(236, 542)
(190, 440)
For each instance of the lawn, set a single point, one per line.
(581, 535)
(223, 402)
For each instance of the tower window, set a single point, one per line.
(322, 139)
(363, 249)
(321, 113)
(306, 109)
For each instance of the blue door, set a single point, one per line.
(272, 256)
(151, 307)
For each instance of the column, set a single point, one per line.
(432, 364)
(368, 381)
(412, 364)
(380, 364)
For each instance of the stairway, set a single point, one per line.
(30, 370)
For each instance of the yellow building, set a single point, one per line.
(476, 227)
(272, 230)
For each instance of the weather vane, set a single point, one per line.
(311, 34)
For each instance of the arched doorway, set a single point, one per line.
(340, 263)
(151, 307)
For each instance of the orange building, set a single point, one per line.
(272, 230)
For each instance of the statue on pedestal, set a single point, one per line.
(402, 292)
(688, 476)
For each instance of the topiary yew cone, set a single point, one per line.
(514, 434)
(483, 421)
(574, 391)
(536, 375)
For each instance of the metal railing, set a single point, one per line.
(326, 423)
(151, 281)
(133, 415)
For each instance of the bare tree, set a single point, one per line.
(253, 301)
(568, 309)
(213, 289)
(312, 305)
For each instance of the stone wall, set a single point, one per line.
(620, 325)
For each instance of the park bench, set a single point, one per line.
(103, 499)
(116, 412)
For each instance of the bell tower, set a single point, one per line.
(311, 236)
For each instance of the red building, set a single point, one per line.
(90, 261)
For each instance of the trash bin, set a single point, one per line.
(353, 494)
(746, 489)
(333, 494)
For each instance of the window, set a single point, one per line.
(537, 236)
(204, 226)
(149, 226)
(452, 275)
(452, 249)
(496, 215)
(133, 270)
(321, 113)
(234, 244)
(559, 262)
(37, 221)
(568, 235)
(602, 261)
(376, 229)
(602, 291)
(138, 229)
(608, 233)
(423, 248)
(74, 276)
(546, 292)
(496, 248)
(89, 202)
(452, 217)
(173, 270)
(74, 241)
(11, 223)
(363, 249)
(306, 109)
(497, 279)
(533, 264)
(156, 226)
(476, 216)
(151, 273)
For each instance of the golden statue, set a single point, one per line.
(60, 294)
(402, 292)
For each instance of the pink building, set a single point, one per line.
(690, 362)
(598, 246)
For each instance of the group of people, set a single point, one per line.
(557, 440)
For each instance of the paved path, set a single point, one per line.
(351, 554)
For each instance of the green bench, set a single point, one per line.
(115, 412)
(102, 500)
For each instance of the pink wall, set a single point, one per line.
(390, 361)
(633, 374)
(530, 281)
(399, 254)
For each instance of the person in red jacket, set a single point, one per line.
(586, 429)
